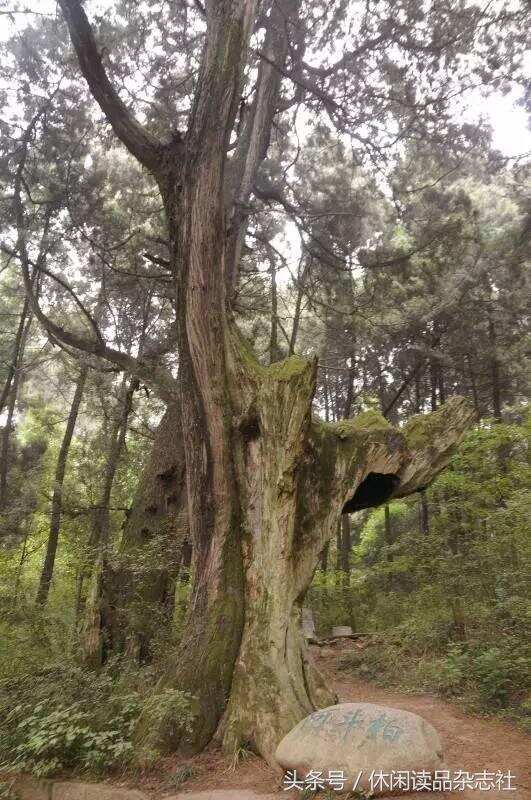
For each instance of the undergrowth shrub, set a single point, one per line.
(490, 677)
(64, 718)
(171, 709)
(166, 715)
(46, 739)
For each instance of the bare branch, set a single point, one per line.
(39, 268)
(145, 147)
(253, 142)
(161, 262)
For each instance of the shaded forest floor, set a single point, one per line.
(470, 743)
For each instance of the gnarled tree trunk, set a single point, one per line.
(294, 477)
(266, 485)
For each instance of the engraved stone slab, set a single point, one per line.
(308, 624)
(341, 630)
(357, 738)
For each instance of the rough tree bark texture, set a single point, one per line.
(154, 534)
(193, 190)
(295, 477)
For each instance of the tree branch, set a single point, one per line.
(40, 268)
(431, 440)
(346, 59)
(145, 147)
(253, 142)
(148, 372)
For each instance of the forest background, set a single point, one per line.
(397, 255)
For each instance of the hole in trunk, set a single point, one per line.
(250, 427)
(167, 475)
(172, 501)
(374, 490)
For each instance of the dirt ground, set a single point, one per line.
(470, 743)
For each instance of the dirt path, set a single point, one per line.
(470, 743)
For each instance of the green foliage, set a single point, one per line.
(63, 717)
(331, 602)
(29, 638)
(486, 676)
(453, 668)
(171, 709)
(166, 716)
(47, 738)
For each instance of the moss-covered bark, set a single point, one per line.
(274, 683)
(295, 476)
(265, 485)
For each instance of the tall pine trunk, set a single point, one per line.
(9, 397)
(97, 625)
(494, 369)
(424, 513)
(57, 497)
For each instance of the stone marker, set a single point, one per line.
(308, 624)
(354, 738)
(341, 630)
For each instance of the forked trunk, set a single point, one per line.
(193, 190)
(266, 485)
(293, 478)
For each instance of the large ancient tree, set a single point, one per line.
(265, 482)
